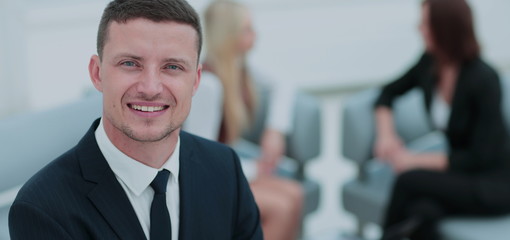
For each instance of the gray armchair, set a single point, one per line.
(367, 195)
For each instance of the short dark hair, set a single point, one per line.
(451, 23)
(155, 10)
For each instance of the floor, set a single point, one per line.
(331, 170)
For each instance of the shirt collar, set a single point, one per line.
(136, 175)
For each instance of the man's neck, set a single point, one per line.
(153, 154)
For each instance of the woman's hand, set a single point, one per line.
(403, 161)
(273, 148)
(388, 147)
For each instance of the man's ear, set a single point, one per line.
(94, 71)
(197, 79)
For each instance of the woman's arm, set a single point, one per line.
(405, 161)
(387, 143)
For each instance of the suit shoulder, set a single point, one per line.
(51, 180)
(480, 69)
(481, 77)
(209, 154)
(204, 144)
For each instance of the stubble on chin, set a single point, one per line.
(148, 138)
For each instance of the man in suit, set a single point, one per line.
(135, 175)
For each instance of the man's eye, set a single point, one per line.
(129, 64)
(173, 67)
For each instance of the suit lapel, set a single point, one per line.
(112, 202)
(108, 196)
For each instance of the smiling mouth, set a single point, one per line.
(147, 108)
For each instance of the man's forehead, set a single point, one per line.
(116, 29)
(143, 24)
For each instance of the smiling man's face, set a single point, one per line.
(148, 74)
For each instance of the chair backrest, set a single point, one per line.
(254, 133)
(304, 141)
(29, 141)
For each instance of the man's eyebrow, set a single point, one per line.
(128, 55)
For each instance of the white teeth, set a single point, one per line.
(147, 108)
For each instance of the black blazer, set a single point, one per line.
(476, 132)
(77, 196)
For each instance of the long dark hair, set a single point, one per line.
(451, 25)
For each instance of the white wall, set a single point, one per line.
(337, 44)
(322, 44)
(13, 80)
(60, 41)
(334, 44)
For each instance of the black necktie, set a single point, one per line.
(160, 227)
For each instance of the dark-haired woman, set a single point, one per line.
(463, 98)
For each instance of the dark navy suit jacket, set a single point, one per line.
(77, 196)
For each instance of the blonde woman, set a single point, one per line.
(227, 100)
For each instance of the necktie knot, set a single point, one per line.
(160, 181)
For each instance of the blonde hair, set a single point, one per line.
(223, 27)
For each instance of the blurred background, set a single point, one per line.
(329, 48)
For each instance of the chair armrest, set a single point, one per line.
(249, 151)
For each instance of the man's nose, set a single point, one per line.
(150, 83)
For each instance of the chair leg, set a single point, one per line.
(360, 229)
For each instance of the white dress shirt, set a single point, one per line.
(440, 111)
(135, 178)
